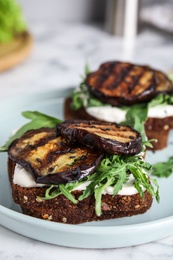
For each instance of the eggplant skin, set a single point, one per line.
(108, 137)
(122, 83)
(51, 159)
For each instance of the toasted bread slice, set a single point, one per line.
(51, 159)
(62, 210)
(109, 137)
(121, 83)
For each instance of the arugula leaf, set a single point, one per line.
(86, 70)
(136, 116)
(38, 120)
(67, 194)
(80, 97)
(141, 179)
(163, 169)
(113, 171)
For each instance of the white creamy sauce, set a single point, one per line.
(24, 179)
(115, 114)
(127, 189)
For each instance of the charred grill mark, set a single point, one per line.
(118, 76)
(132, 85)
(49, 158)
(120, 83)
(109, 133)
(31, 141)
(112, 76)
(56, 161)
(117, 140)
(103, 77)
(134, 79)
(141, 87)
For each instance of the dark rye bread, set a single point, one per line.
(156, 128)
(159, 129)
(60, 209)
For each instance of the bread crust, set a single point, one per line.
(156, 128)
(60, 209)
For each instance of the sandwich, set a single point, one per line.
(126, 93)
(81, 171)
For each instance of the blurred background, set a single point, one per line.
(156, 12)
(54, 39)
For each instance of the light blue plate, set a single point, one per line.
(155, 224)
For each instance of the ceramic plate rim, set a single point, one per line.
(80, 229)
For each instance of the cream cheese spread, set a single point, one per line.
(127, 189)
(115, 114)
(24, 179)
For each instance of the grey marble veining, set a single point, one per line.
(59, 55)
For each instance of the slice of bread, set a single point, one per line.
(62, 210)
(159, 128)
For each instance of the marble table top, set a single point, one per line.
(59, 55)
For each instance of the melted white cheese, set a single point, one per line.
(115, 114)
(24, 179)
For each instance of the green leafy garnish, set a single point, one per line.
(11, 20)
(65, 189)
(80, 97)
(113, 171)
(38, 120)
(136, 115)
(163, 169)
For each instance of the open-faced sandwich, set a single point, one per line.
(81, 171)
(121, 91)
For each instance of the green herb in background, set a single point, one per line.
(163, 169)
(38, 120)
(11, 20)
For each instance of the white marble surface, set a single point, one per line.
(57, 60)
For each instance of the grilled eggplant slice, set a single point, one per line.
(51, 159)
(109, 137)
(120, 83)
(164, 85)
